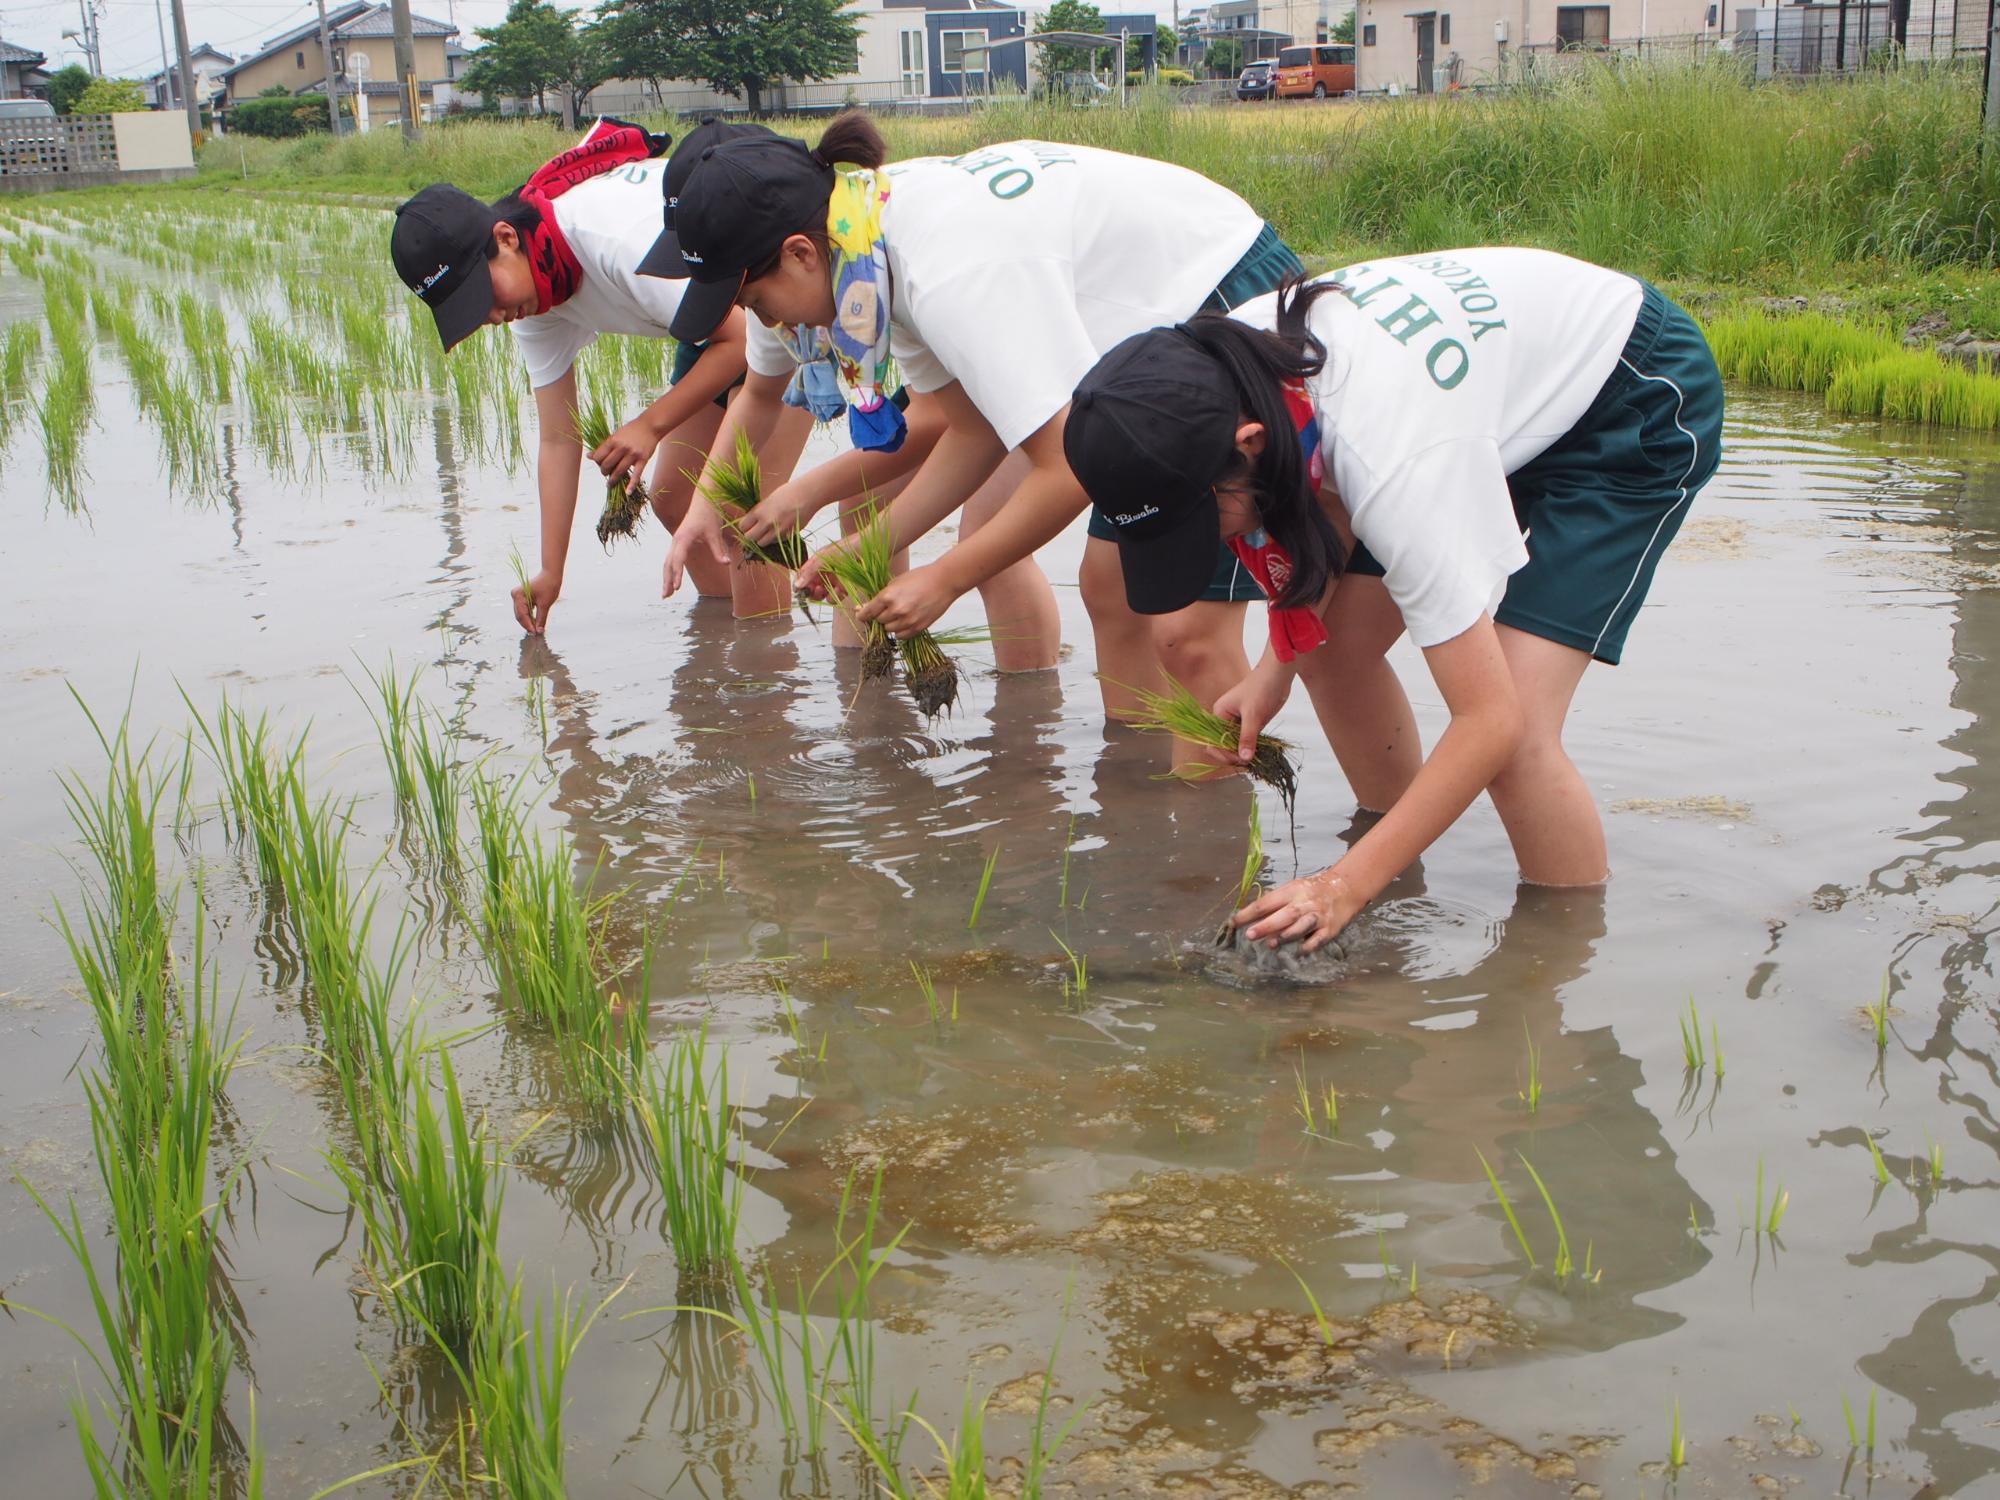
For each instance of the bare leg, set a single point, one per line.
(1020, 605)
(1358, 697)
(1200, 647)
(672, 492)
(1125, 656)
(764, 590)
(1542, 799)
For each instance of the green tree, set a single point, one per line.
(1343, 30)
(110, 96)
(533, 50)
(1165, 45)
(737, 47)
(1225, 57)
(1072, 15)
(65, 84)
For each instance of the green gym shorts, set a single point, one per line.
(1268, 261)
(685, 354)
(1602, 503)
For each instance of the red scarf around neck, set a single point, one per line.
(1295, 628)
(609, 143)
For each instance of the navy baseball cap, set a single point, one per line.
(440, 246)
(1150, 429)
(664, 259)
(745, 199)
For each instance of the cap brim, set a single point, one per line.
(703, 307)
(664, 259)
(466, 310)
(1169, 571)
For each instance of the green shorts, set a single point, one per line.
(685, 355)
(1601, 504)
(1267, 262)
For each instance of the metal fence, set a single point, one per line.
(1795, 40)
(781, 98)
(68, 143)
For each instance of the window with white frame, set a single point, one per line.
(962, 52)
(916, 77)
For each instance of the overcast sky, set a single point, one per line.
(130, 32)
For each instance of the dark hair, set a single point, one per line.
(1258, 363)
(514, 210)
(851, 139)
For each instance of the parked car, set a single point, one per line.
(1315, 71)
(1257, 81)
(29, 137)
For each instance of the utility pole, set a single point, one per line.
(406, 66)
(326, 59)
(166, 69)
(187, 71)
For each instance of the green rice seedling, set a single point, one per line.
(1677, 1451)
(1251, 881)
(1855, 1439)
(735, 487)
(64, 412)
(1311, 1111)
(858, 569)
(625, 495)
(429, 1200)
(1780, 1201)
(1878, 1018)
(1320, 1319)
(985, 883)
(689, 1126)
(1875, 1155)
(18, 353)
(255, 774)
(521, 575)
(1532, 1094)
(1564, 1263)
(1179, 713)
(1507, 1208)
(1076, 983)
(1692, 1050)
(927, 987)
(1936, 1159)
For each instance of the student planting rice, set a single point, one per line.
(558, 260)
(993, 280)
(1375, 444)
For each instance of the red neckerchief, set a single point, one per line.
(1295, 628)
(609, 143)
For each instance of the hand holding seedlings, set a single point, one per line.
(1252, 703)
(783, 512)
(625, 489)
(912, 603)
(1313, 911)
(811, 580)
(625, 454)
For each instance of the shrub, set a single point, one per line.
(110, 96)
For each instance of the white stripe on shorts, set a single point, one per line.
(1694, 457)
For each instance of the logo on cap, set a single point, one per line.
(1134, 517)
(690, 257)
(432, 279)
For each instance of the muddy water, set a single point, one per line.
(1796, 760)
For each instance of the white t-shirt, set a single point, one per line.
(610, 223)
(1014, 267)
(1445, 373)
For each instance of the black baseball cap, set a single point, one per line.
(664, 259)
(439, 245)
(1150, 428)
(746, 198)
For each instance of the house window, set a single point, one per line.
(1584, 26)
(916, 78)
(952, 47)
(299, 58)
(1444, 29)
(1368, 36)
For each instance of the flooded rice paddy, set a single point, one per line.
(1126, 1208)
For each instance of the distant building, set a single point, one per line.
(163, 89)
(293, 62)
(1408, 48)
(23, 72)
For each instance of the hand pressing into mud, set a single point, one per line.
(912, 603)
(782, 512)
(534, 599)
(1311, 911)
(627, 451)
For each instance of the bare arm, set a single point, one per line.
(1047, 501)
(754, 412)
(628, 450)
(557, 452)
(796, 502)
(1485, 728)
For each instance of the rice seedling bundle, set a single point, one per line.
(1179, 713)
(624, 496)
(735, 488)
(859, 569)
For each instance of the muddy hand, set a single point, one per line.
(911, 603)
(623, 455)
(1311, 911)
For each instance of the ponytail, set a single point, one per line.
(851, 139)
(1258, 363)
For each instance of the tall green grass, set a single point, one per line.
(1861, 370)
